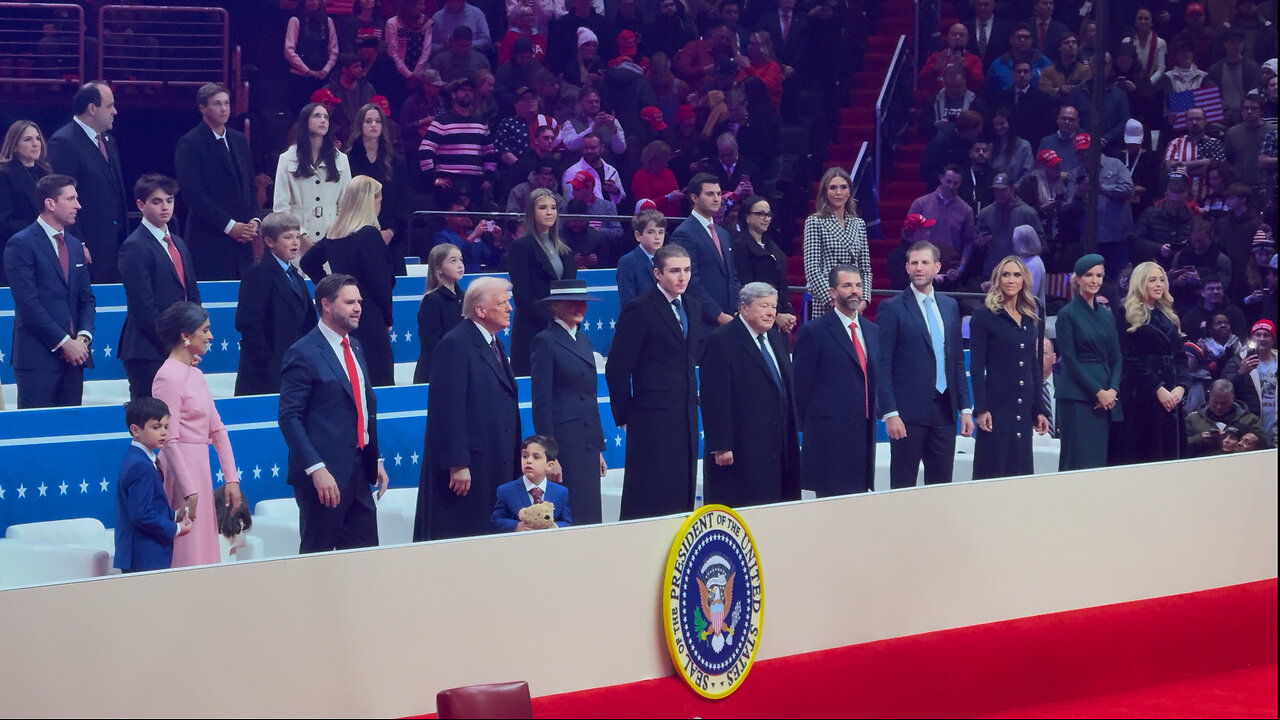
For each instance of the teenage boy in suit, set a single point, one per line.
(635, 269)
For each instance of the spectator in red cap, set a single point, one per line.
(654, 127)
(1253, 372)
(897, 262)
(1197, 33)
(1048, 188)
(654, 179)
(582, 186)
(628, 44)
(608, 184)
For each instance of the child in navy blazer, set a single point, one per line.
(537, 452)
(145, 525)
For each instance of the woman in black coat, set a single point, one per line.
(1155, 374)
(757, 258)
(533, 262)
(369, 152)
(356, 248)
(1004, 367)
(441, 308)
(564, 382)
(22, 164)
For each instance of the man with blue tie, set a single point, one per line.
(53, 303)
(922, 351)
(328, 415)
(715, 281)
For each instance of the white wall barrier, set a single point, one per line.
(379, 632)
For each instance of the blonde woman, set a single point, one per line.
(356, 247)
(1155, 374)
(1004, 366)
(311, 175)
(535, 260)
(441, 307)
(834, 235)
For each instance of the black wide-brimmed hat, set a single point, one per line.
(569, 290)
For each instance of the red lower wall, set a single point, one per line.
(981, 669)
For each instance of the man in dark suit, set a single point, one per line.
(837, 365)
(1045, 30)
(748, 409)
(216, 169)
(715, 280)
(472, 442)
(988, 34)
(789, 30)
(1031, 110)
(653, 392)
(156, 268)
(83, 149)
(923, 353)
(274, 309)
(52, 301)
(730, 168)
(328, 415)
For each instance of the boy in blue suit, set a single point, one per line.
(635, 269)
(145, 527)
(536, 455)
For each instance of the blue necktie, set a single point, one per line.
(939, 346)
(768, 360)
(684, 319)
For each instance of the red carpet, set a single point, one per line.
(1197, 654)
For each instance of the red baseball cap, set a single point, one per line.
(582, 180)
(1081, 141)
(915, 221)
(653, 115)
(1263, 324)
(627, 42)
(1048, 158)
(1194, 8)
(646, 204)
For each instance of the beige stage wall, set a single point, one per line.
(378, 632)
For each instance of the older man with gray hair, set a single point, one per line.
(748, 418)
(472, 443)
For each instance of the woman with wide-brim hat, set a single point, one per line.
(563, 374)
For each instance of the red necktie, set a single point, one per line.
(715, 239)
(102, 148)
(536, 493)
(862, 363)
(63, 261)
(177, 260)
(355, 391)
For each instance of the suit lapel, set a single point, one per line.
(331, 359)
(544, 260)
(46, 247)
(574, 345)
(720, 259)
(217, 150)
(281, 282)
(917, 315)
(835, 325)
(501, 369)
(752, 348)
(668, 315)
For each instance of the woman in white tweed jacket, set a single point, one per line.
(834, 234)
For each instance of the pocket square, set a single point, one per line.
(79, 264)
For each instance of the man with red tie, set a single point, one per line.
(52, 301)
(157, 272)
(836, 363)
(328, 416)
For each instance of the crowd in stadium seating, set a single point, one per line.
(675, 108)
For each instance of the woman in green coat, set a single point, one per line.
(1088, 388)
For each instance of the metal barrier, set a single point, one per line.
(893, 105)
(163, 46)
(41, 44)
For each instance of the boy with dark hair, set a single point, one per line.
(274, 309)
(156, 268)
(537, 453)
(145, 525)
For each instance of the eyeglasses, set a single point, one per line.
(761, 213)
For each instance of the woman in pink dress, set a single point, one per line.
(193, 426)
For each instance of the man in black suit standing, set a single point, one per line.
(789, 30)
(83, 149)
(53, 303)
(653, 392)
(715, 280)
(748, 411)
(472, 443)
(328, 415)
(837, 365)
(156, 269)
(988, 34)
(216, 169)
(1031, 110)
(274, 309)
(923, 353)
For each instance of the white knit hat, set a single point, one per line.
(585, 36)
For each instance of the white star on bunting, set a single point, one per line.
(225, 344)
(1, 492)
(84, 486)
(62, 489)
(617, 441)
(219, 476)
(1, 356)
(414, 458)
(257, 472)
(397, 458)
(599, 324)
(275, 470)
(106, 351)
(613, 323)
(22, 492)
(103, 484)
(394, 337)
(407, 336)
(43, 488)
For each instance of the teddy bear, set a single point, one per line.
(538, 516)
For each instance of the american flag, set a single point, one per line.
(1207, 99)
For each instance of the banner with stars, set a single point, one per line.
(219, 298)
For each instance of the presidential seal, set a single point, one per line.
(713, 602)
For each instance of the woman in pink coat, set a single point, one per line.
(193, 426)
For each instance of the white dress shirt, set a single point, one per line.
(158, 233)
(937, 314)
(335, 342)
(93, 134)
(670, 299)
(488, 336)
(540, 485)
(571, 329)
(768, 347)
(849, 321)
